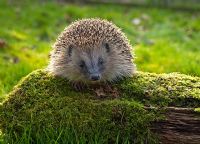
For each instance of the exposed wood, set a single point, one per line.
(181, 126)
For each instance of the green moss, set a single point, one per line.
(44, 108)
(172, 89)
(197, 110)
(43, 104)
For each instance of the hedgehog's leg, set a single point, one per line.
(79, 86)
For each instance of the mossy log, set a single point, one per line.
(147, 108)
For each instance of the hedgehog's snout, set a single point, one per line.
(94, 74)
(95, 77)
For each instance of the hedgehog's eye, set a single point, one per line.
(82, 64)
(70, 50)
(100, 61)
(107, 47)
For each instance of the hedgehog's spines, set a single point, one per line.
(90, 35)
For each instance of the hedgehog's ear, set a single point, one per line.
(70, 50)
(107, 47)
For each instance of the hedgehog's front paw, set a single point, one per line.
(79, 86)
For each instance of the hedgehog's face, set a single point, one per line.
(90, 63)
(99, 51)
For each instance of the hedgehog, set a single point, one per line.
(92, 50)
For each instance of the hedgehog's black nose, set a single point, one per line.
(94, 77)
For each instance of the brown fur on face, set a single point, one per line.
(88, 42)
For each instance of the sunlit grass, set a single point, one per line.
(164, 40)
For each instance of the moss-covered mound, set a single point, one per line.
(46, 109)
(172, 89)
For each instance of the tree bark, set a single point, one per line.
(181, 126)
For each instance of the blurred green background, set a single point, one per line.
(164, 39)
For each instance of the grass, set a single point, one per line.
(164, 40)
